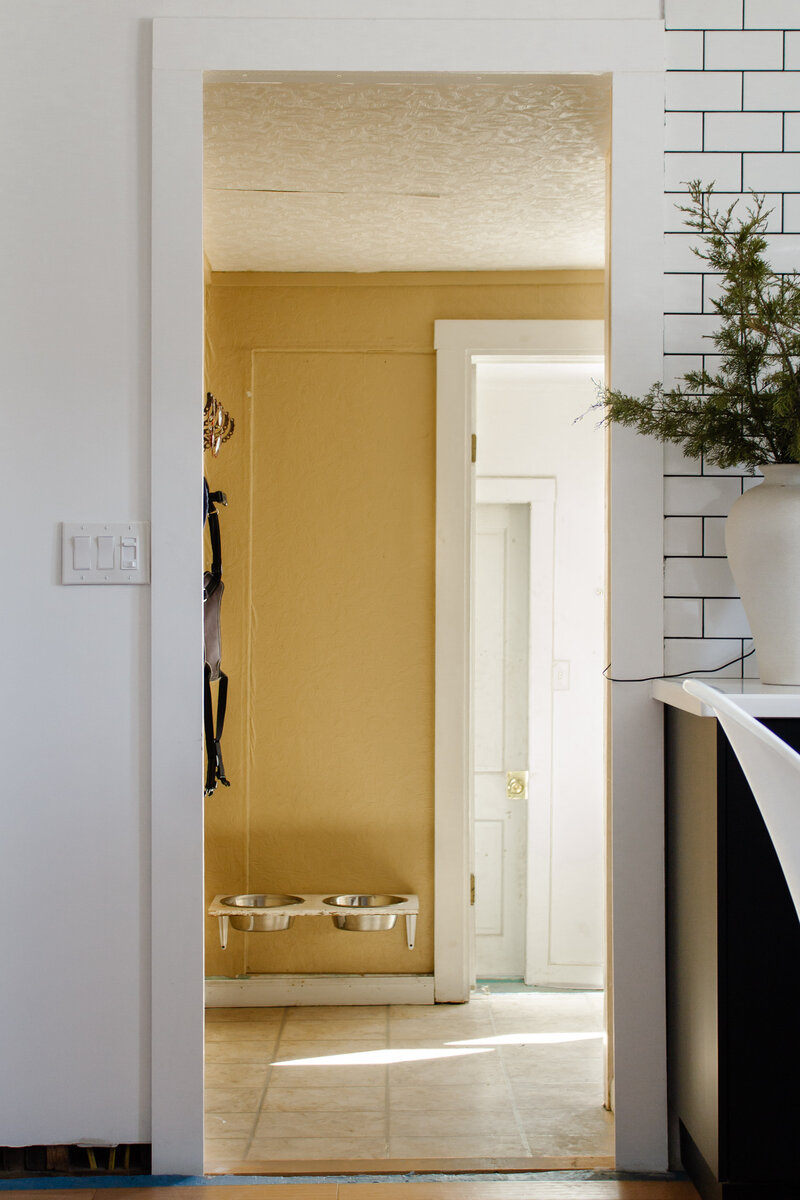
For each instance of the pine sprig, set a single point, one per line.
(747, 411)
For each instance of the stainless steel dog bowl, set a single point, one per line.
(261, 922)
(359, 921)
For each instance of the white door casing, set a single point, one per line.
(632, 52)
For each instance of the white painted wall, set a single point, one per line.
(528, 424)
(75, 97)
(75, 143)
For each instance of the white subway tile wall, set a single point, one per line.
(683, 536)
(714, 537)
(732, 118)
(772, 14)
(710, 14)
(724, 618)
(738, 51)
(683, 617)
(684, 131)
(685, 48)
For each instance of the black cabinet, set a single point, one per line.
(733, 973)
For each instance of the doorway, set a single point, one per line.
(337, 471)
(183, 51)
(539, 694)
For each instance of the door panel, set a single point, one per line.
(489, 878)
(501, 735)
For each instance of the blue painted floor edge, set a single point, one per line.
(95, 1182)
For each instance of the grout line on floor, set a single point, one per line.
(387, 1099)
(510, 1086)
(284, 1017)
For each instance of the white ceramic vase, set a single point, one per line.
(762, 540)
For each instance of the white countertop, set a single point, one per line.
(757, 698)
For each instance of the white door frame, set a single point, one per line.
(459, 344)
(184, 48)
(539, 495)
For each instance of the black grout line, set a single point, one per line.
(667, 154)
(717, 637)
(723, 70)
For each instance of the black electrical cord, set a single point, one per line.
(678, 674)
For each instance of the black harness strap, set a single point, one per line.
(215, 768)
(212, 594)
(215, 498)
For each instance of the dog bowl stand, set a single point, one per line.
(313, 905)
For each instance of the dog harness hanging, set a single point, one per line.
(213, 588)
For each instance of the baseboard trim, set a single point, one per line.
(582, 977)
(276, 991)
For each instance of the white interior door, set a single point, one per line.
(502, 574)
(527, 431)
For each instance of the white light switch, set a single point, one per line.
(81, 552)
(129, 554)
(105, 552)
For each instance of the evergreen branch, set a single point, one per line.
(749, 412)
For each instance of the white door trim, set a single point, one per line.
(540, 497)
(458, 345)
(185, 48)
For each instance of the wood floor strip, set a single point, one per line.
(243, 1191)
(529, 1189)
(545, 1189)
(52, 1194)
(394, 1166)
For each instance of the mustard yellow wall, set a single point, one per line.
(328, 613)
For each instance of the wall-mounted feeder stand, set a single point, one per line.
(358, 913)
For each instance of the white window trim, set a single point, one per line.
(632, 51)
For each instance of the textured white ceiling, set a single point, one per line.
(405, 177)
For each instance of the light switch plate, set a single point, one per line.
(101, 551)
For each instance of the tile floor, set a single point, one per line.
(509, 1075)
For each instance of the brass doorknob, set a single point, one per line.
(517, 785)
